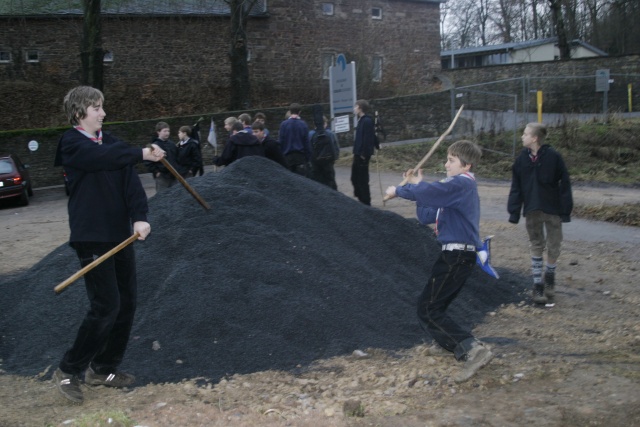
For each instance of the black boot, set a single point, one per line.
(549, 284)
(538, 294)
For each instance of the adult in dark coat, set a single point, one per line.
(363, 148)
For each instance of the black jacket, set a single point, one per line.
(189, 157)
(171, 156)
(365, 140)
(241, 144)
(272, 151)
(541, 185)
(105, 192)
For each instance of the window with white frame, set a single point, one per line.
(376, 13)
(327, 9)
(108, 56)
(376, 68)
(328, 60)
(5, 56)
(32, 55)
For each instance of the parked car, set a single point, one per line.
(14, 179)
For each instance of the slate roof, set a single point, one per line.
(122, 7)
(504, 47)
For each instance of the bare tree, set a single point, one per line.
(238, 53)
(91, 52)
(560, 29)
(483, 15)
(504, 19)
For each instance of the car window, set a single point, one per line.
(6, 166)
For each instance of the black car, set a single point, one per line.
(15, 180)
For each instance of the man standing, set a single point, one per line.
(363, 147)
(294, 142)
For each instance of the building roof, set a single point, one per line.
(122, 7)
(506, 47)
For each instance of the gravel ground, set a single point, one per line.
(250, 314)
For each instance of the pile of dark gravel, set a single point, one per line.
(280, 272)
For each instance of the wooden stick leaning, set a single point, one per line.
(433, 149)
(95, 263)
(184, 183)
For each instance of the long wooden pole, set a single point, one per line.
(184, 183)
(433, 149)
(95, 263)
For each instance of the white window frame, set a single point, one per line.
(32, 56)
(376, 13)
(107, 57)
(328, 61)
(5, 53)
(376, 68)
(328, 9)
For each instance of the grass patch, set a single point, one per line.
(626, 214)
(104, 419)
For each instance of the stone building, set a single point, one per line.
(170, 58)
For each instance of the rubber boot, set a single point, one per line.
(538, 294)
(549, 285)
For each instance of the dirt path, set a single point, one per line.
(573, 365)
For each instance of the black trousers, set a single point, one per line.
(297, 163)
(449, 273)
(360, 179)
(112, 291)
(324, 172)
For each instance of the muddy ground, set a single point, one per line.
(575, 364)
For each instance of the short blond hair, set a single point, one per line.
(538, 130)
(78, 99)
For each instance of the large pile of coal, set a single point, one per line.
(280, 272)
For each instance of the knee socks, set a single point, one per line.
(536, 269)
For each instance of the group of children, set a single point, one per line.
(107, 203)
(185, 157)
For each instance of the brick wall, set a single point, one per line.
(179, 65)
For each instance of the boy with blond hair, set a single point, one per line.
(107, 204)
(541, 190)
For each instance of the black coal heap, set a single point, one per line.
(280, 272)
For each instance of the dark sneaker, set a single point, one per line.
(115, 379)
(549, 285)
(68, 385)
(538, 294)
(478, 356)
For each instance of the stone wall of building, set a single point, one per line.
(174, 66)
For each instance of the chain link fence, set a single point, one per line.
(509, 104)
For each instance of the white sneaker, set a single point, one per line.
(478, 356)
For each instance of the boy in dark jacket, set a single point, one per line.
(163, 178)
(293, 138)
(271, 147)
(189, 157)
(541, 189)
(453, 205)
(241, 144)
(106, 204)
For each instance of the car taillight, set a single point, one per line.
(17, 180)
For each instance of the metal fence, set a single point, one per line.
(507, 105)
